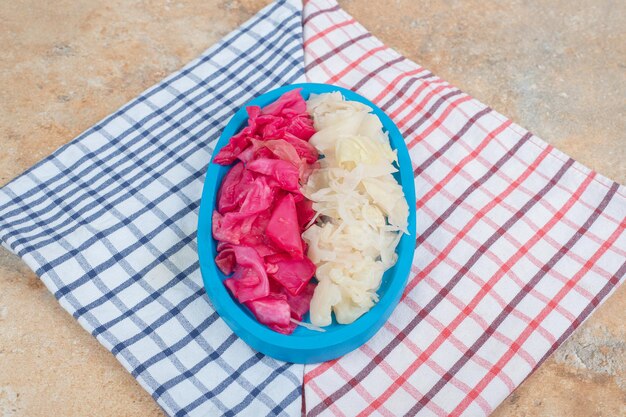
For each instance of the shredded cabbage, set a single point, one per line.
(307, 325)
(361, 208)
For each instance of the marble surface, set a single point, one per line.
(556, 67)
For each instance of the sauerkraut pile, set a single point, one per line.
(360, 208)
(311, 191)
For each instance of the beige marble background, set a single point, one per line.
(557, 67)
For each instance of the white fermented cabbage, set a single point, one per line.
(361, 208)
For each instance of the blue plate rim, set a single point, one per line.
(292, 347)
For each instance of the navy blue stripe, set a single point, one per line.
(182, 74)
(154, 296)
(218, 98)
(123, 253)
(251, 394)
(171, 139)
(210, 357)
(294, 395)
(256, 391)
(124, 222)
(129, 191)
(172, 155)
(133, 279)
(149, 329)
(194, 334)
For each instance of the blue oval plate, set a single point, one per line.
(304, 345)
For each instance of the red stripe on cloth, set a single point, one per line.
(466, 311)
(476, 184)
(317, 13)
(581, 290)
(591, 234)
(412, 98)
(319, 60)
(439, 326)
(326, 31)
(547, 204)
(355, 63)
(410, 389)
(461, 235)
(419, 106)
(493, 203)
(453, 139)
(518, 298)
(352, 64)
(460, 304)
(421, 314)
(479, 281)
(550, 306)
(610, 285)
(563, 185)
(375, 71)
(511, 239)
(437, 122)
(459, 202)
(461, 164)
(439, 370)
(326, 404)
(359, 388)
(596, 268)
(319, 370)
(338, 52)
(395, 81)
(375, 81)
(404, 95)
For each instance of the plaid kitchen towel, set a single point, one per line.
(109, 222)
(517, 243)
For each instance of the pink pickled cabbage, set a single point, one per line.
(290, 104)
(284, 173)
(283, 228)
(258, 198)
(232, 226)
(261, 213)
(246, 284)
(305, 212)
(250, 280)
(240, 141)
(273, 311)
(281, 150)
(304, 149)
(225, 260)
(227, 197)
(294, 274)
(300, 303)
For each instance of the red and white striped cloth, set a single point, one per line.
(517, 244)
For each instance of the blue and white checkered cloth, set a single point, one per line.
(109, 223)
